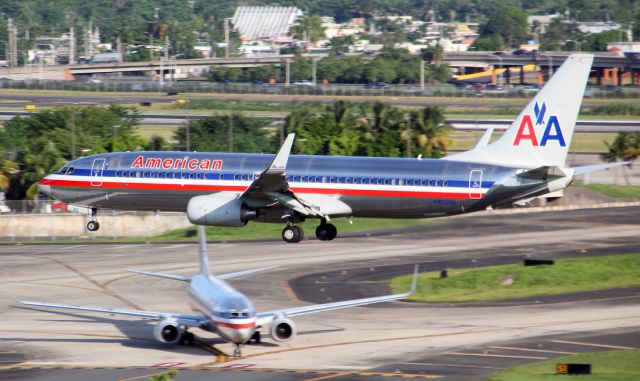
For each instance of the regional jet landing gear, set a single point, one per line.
(93, 225)
(325, 231)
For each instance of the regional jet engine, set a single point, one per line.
(167, 331)
(220, 209)
(282, 329)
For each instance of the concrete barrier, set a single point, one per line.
(17, 227)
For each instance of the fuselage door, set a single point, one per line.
(96, 172)
(475, 184)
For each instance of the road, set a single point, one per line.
(382, 342)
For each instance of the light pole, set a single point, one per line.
(314, 67)
(549, 63)
(175, 65)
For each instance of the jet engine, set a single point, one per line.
(220, 209)
(167, 331)
(282, 329)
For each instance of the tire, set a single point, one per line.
(289, 234)
(299, 235)
(92, 226)
(332, 232)
(321, 232)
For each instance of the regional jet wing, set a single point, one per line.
(266, 317)
(189, 320)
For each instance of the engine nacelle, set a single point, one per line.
(282, 329)
(167, 331)
(220, 209)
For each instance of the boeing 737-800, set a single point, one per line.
(223, 310)
(230, 189)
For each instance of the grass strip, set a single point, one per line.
(517, 281)
(615, 191)
(622, 365)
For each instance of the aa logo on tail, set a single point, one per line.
(552, 130)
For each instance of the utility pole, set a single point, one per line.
(287, 72)
(230, 132)
(409, 135)
(226, 38)
(166, 47)
(73, 133)
(13, 43)
(422, 75)
(72, 45)
(315, 64)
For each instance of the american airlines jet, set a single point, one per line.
(223, 310)
(231, 189)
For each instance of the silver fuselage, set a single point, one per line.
(371, 187)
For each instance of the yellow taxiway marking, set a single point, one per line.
(325, 377)
(591, 344)
(534, 350)
(500, 356)
(452, 365)
(145, 376)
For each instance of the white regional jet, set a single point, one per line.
(223, 310)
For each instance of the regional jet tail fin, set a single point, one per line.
(541, 134)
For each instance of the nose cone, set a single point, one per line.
(44, 187)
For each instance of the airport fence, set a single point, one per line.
(443, 90)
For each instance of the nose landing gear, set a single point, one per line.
(93, 225)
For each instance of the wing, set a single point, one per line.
(266, 317)
(161, 275)
(243, 273)
(188, 320)
(271, 189)
(597, 167)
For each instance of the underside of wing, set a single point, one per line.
(189, 320)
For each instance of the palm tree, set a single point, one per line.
(8, 169)
(625, 147)
(432, 129)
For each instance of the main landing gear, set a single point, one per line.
(294, 234)
(93, 225)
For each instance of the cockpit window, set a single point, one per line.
(70, 170)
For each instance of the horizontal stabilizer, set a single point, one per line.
(161, 275)
(597, 167)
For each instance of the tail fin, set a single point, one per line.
(542, 133)
(204, 256)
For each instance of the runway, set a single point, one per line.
(388, 341)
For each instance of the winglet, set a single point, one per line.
(279, 163)
(486, 137)
(204, 256)
(414, 281)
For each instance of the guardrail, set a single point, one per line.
(319, 89)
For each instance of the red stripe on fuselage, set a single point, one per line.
(238, 188)
(235, 325)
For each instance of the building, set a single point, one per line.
(264, 23)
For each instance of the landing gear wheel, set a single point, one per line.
(321, 232)
(332, 232)
(292, 234)
(256, 337)
(187, 338)
(237, 352)
(326, 232)
(93, 226)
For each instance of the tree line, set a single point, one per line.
(36, 145)
(391, 66)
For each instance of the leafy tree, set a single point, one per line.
(341, 43)
(488, 43)
(510, 23)
(625, 147)
(41, 142)
(226, 133)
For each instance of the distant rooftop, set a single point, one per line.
(265, 22)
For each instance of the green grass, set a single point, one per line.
(566, 276)
(615, 191)
(623, 365)
(256, 230)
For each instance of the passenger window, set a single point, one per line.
(400, 182)
(432, 183)
(138, 174)
(445, 183)
(303, 179)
